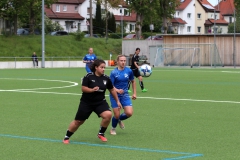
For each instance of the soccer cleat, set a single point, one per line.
(144, 90)
(121, 125)
(102, 137)
(66, 141)
(129, 91)
(113, 131)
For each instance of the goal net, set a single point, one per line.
(192, 55)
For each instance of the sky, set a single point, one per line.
(213, 2)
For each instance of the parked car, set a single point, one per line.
(22, 31)
(157, 37)
(94, 35)
(131, 36)
(59, 33)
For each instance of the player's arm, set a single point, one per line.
(85, 60)
(85, 89)
(134, 96)
(120, 91)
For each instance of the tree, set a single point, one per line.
(143, 9)
(107, 5)
(166, 11)
(28, 13)
(98, 25)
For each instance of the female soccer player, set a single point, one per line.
(120, 77)
(134, 67)
(89, 59)
(93, 99)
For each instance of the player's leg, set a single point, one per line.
(137, 74)
(128, 111)
(129, 83)
(84, 111)
(105, 113)
(88, 69)
(116, 115)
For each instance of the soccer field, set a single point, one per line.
(186, 114)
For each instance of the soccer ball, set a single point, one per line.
(145, 70)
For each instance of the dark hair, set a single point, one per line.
(137, 49)
(96, 63)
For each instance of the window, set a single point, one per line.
(199, 15)
(65, 8)
(189, 15)
(178, 14)
(88, 10)
(132, 28)
(215, 16)
(120, 11)
(189, 29)
(76, 8)
(199, 29)
(57, 8)
(230, 20)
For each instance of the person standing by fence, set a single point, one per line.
(35, 59)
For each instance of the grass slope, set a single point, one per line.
(57, 46)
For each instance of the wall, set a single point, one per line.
(48, 64)
(224, 44)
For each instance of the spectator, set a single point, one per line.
(35, 59)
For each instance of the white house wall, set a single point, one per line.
(190, 21)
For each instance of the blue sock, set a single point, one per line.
(123, 116)
(114, 122)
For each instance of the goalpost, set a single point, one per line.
(193, 55)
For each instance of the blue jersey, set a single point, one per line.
(120, 78)
(89, 57)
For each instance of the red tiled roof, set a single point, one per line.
(131, 18)
(71, 1)
(183, 5)
(218, 21)
(178, 20)
(226, 7)
(57, 15)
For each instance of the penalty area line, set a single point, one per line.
(184, 154)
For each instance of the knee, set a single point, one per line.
(107, 115)
(78, 123)
(129, 113)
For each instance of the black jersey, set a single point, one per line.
(135, 58)
(91, 80)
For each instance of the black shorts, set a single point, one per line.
(85, 110)
(136, 72)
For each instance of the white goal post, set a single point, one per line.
(192, 55)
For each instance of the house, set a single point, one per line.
(226, 8)
(123, 15)
(198, 17)
(68, 14)
(73, 15)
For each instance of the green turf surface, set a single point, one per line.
(186, 114)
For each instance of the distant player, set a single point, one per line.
(120, 77)
(134, 67)
(89, 59)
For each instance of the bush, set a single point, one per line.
(79, 35)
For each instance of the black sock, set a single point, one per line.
(141, 84)
(129, 82)
(102, 130)
(68, 135)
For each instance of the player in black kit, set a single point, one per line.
(135, 68)
(94, 85)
